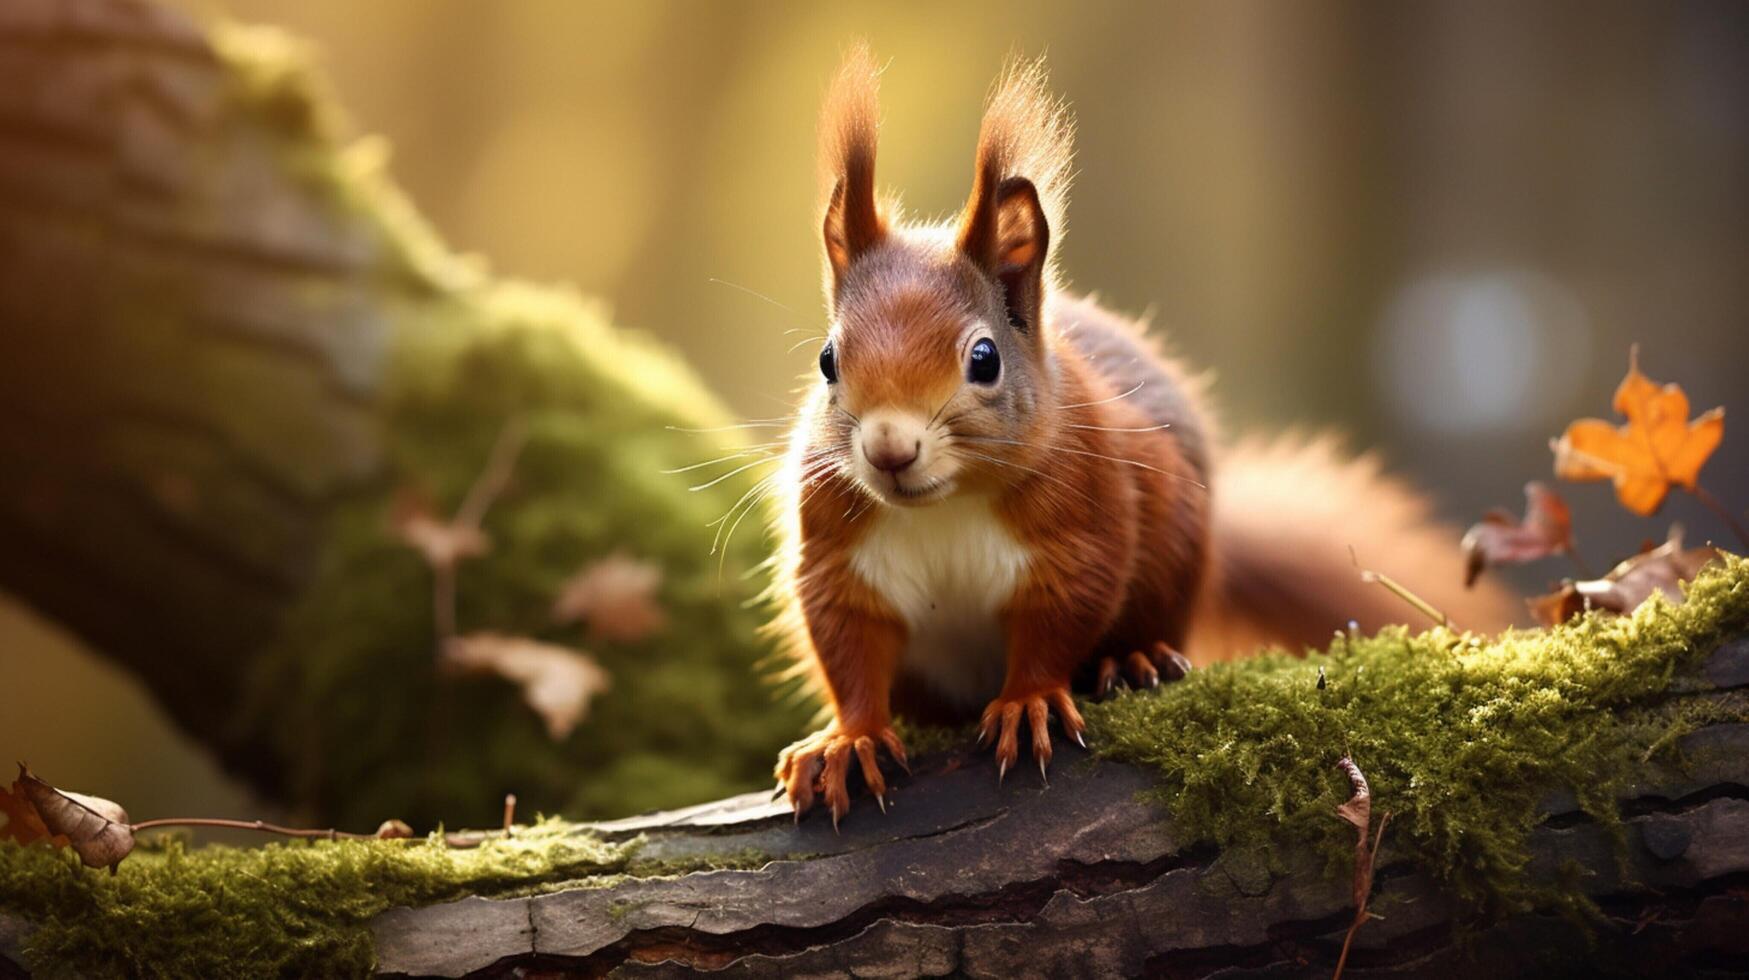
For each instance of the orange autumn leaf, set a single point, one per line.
(1657, 448)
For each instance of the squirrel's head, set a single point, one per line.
(937, 361)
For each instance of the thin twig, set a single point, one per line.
(509, 812)
(486, 488)
(494, 477)
(1724, 513)
(1401, 591)
(260, 825)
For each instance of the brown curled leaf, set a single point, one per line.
(23, 824)
(1357, 811)
(95, 828)
(1660, 570)
(394, 830)
(1501, 539)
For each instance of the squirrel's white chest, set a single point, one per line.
(948, 570)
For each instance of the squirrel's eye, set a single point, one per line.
(986, 364)
(828, 364)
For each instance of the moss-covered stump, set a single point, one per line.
(1572, 801)
(228, 344)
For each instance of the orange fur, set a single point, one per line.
(1082, 472)
(1286, 515)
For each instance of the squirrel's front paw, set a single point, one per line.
(1002, 722)
(819, 764)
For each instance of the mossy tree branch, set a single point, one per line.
(1099, 874)
(1091, 878)
(228, 342)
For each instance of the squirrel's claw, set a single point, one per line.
(818, 766)
(1141, 670)
(1003, 719)
(1173, 665)
(1160, 664)
(1107, 683)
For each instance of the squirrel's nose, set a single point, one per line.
(891, 455)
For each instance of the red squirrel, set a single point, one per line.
(998, 489)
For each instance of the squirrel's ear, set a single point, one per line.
(1006, 234)
(848, 125)
(1021, 183)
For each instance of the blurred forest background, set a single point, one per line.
(1435, 226)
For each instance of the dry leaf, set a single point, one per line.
(1358, 809)
(23, 824)
(1661, 569)
(1358, 812)
(1500, 538)
(394, 830)
(96, 829)
(442, 543)
(616, 596)
(1657, 448)
(557, 682)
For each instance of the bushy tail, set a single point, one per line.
(1286, 514)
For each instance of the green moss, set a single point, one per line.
(270, 75)
(349, 697)
(921, 739)
(1459, 737)
(743, 859)
(291, 910)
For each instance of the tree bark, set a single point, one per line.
(1086, 877)
(194, 344)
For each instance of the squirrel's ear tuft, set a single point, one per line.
(848, 124)
(1020, 187)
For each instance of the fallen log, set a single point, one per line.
(1634, 861)
(968, 877)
